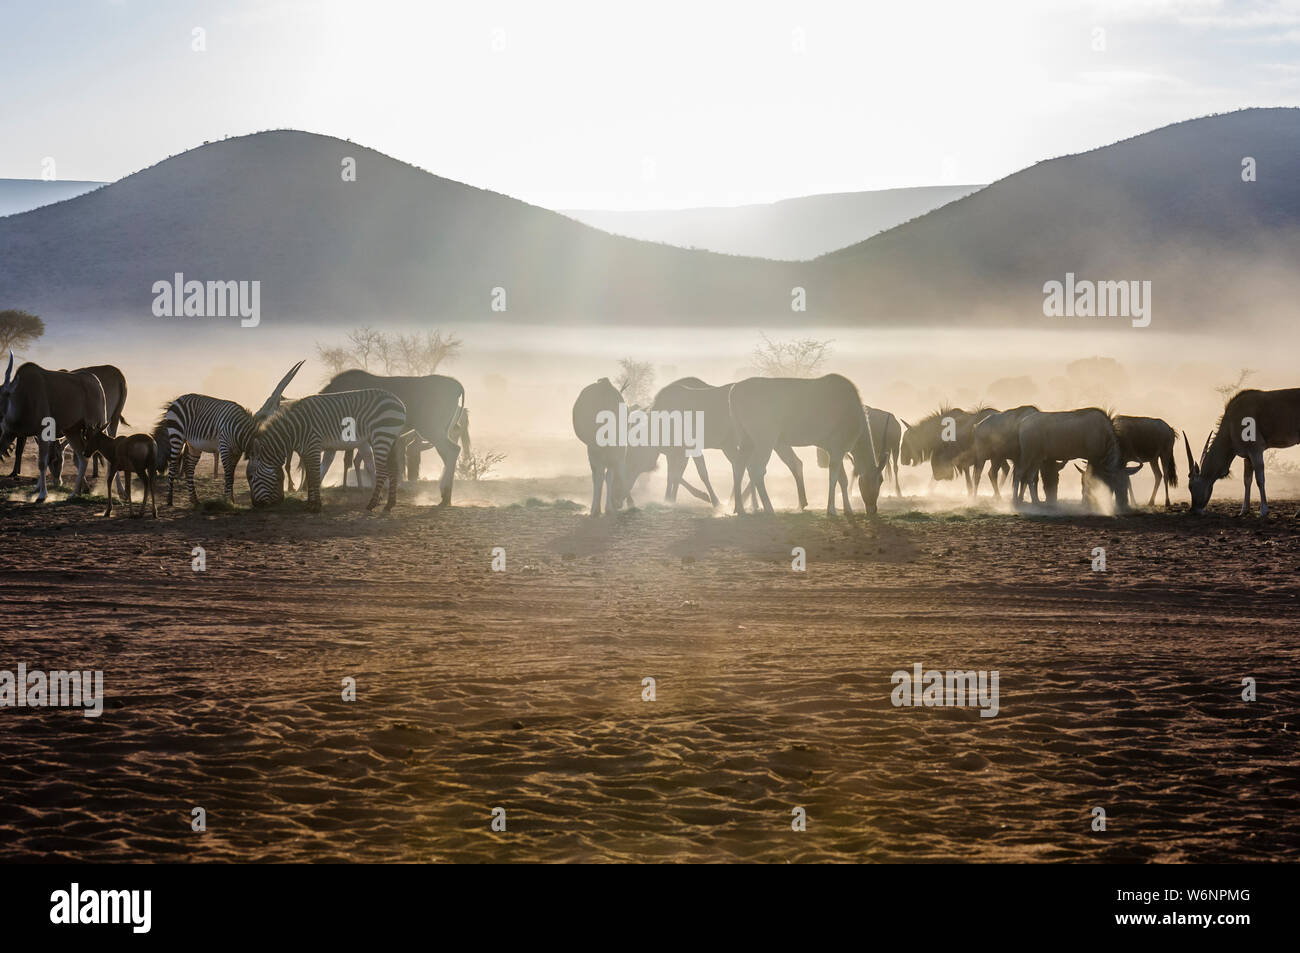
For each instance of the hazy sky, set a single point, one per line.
(621, 105)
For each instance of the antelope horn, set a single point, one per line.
(1205, 450)
(9, 371)
(1080, 469)
(277, 395)
(1192, 468)
(906, 424)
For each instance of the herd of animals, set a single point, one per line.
(384, 422)
(751, 419)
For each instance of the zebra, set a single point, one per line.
(339, 421)
(194, 424)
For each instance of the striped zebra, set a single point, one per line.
(344, 420)
(194, 424)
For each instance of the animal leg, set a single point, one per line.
(327, 457)
(1247, 471)
(791, 460)
(737, 473)
(597, 478)
(18, 457)
(449, 451)
(191, 460)
(1155, 468)
(675, 467)
(311, 459)
(229, 461)
(1259, 481)
(108, 510)
(703, 471)
(757, 469)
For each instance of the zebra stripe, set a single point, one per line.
(206, 425)
(321, 422)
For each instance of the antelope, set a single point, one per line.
(957, 454)
(1269, 418)
(337, 421)
(136, 453)
(824, 412)
(924, 442)
(996, 441)
(114, 383)
(1146, 440)
(687, 395)
(1088, 434)
(608, 463)
(435, 411)
(33, 399)
(886, 435)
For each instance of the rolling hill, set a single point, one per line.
(1169, 207)
(397, 242)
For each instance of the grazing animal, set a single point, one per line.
(951, 456)
(608, 463)
(925, 442)
(996, 441)
(194, 424)
(1085, 434)
(435, 410)
(887, 434)
(887, 446)
(337, 421)
(114, 383)
(32, 395)
(1275, 415)
(688, 395)
(136, 454)
(1146, 440)
(823, 412)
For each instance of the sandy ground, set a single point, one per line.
(523, 689)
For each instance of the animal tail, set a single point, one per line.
(163, 432)
(1169, 462)
(458, 429)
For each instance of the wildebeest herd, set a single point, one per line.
(751, 419)
(383, 421)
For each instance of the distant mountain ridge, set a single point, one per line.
(397, 242)
(795, 229)
(23, 195)
(1169, 206)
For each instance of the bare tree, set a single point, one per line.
(432, 349)
(1227, 390)
(803, 357)
(364, 342)
(18, 329)
(473, 465)
(635, 381)
(415, 354)
(337, 359)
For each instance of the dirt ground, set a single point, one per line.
(522, 689)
